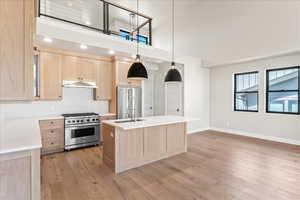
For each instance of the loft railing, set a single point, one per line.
(100, 15)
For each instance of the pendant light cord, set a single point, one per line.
(173, 33)
(137, 33)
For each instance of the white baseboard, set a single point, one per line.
(255, 135)
(197, 130)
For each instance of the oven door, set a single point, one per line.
(81, 134)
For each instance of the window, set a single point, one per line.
(283, 90)
(126, 36)
(246, 92)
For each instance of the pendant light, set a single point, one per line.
(137, 70)
(173, 74)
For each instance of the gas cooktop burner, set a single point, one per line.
(79, 114)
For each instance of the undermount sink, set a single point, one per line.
(129, 120)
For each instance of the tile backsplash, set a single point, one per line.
(74, 100)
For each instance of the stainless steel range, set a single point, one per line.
(81, 129)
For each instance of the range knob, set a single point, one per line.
(81, 121)
(88, 120)
(73, 121)
(77, 121)
(93, 120)
(69, 121)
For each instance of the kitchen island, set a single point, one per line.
(128, 145)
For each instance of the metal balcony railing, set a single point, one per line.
(101, 16)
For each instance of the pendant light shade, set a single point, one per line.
(173, 75)
(137, 71)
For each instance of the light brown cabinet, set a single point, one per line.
(102, 118)
(104, 80)
(70, 70)
(15, 179)
(52, 132)
(108, 134)
(121, 67)
(16, 49)
(79, 69)
(50, 76)
(127, 149)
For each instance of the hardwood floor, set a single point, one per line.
(217, 166)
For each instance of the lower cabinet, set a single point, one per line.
(12, 172)
(130, 148)
(126, 149)
(52, 132)
(20, 175)
(154, 142)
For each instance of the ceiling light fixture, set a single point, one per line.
(88, 23)
(48, 40)
(111, 52)
(83, 46)
(137, 70)
(173, 74)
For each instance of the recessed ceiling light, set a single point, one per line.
(111, 52)
(133, 56)
(48, 40)
(88, 23)
(70, 3)
(83, 46)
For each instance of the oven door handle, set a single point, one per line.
(82, 126)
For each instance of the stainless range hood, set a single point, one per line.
(79, 84)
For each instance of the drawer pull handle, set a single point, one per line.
(51, 131)
(51, 122)
(51, 143)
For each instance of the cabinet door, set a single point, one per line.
(87, 68)
(122, 71)
(154, 142)
(16, 49)
(15, 179)
(104, 80)
(51, 79)
(130, 148)
(176, 137)
(70, 68)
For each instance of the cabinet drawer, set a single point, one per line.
(50, 124)
(52, 140)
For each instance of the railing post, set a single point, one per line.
(106, 17)
(150, 32)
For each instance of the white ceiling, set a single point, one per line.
(223, 31)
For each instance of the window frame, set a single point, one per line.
(249, 92)
(274, 91)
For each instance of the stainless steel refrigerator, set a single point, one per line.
(129, 102)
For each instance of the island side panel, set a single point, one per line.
(109, 147)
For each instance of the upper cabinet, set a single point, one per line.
(79, 69)
(50, 76)
(16, 49)
(104, 80)
(121, 67)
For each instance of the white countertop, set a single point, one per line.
(106, 114)
(147, 122)
(22, 133)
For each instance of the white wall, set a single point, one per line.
(74, 100)
(279, 127)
